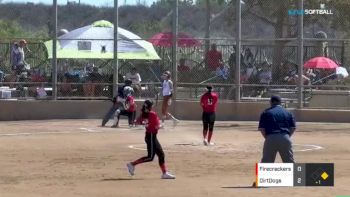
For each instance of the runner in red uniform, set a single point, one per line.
(151, 121)
(208, 102)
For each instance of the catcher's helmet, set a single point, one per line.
(127, 91)
(148, 104)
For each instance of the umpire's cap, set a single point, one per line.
(128, 82)
(275, 100)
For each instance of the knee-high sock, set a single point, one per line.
(210, 135)
(163, 168)
(205, 132)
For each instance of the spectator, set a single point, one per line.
(223, 71)
(295, 80)
(184, 71)
(2, 76)
(265, 75)
(87, 86)
(248, 58)
(232, 63)
(135, 78)
(66, 87)
(15, 56)
(309, 73)
(18, 57)
(183, 67)
(95, 77)
(213, 58)
(232, 60)
(36, 76)
(91, 78)
(248, 63)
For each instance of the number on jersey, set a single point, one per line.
(210, 101)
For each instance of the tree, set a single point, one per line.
(11, 29)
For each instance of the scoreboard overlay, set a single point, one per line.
(294, 174)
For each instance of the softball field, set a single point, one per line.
(79, 158)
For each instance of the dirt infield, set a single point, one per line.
(78, 158)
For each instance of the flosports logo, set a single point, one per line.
(321, 11)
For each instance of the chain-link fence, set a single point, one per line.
(271, 49)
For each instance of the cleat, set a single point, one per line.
(211, 144)
(115, 126)
(167, 175)
(205, 142)
(131, 169)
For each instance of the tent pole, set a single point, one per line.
(54, 52)
(115, 54)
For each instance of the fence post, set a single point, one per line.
(238, 51)
(174, 46)
(54, 52)
(115, 52)
(300, 55)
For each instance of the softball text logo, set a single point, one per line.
(321, 11)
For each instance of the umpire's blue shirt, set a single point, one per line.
(276, 119)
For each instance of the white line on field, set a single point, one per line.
(87, 129)
(311, 147)
(308, 147)
(82, 130)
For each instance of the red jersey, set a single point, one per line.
(209, 102)
(130, 104)
(213, 59)
(152, 122)
(183, 68)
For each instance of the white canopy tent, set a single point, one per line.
(96, 42)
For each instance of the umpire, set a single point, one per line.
(277, 125)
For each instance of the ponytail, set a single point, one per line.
(209, 93)
(210, 88)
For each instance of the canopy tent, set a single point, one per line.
(96, 42)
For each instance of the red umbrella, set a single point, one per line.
(165, 39)
(320, 62)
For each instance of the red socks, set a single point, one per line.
(134, 163)
(205, 134)
(210, 135)
(163, 168)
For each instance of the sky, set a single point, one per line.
(90, 2)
